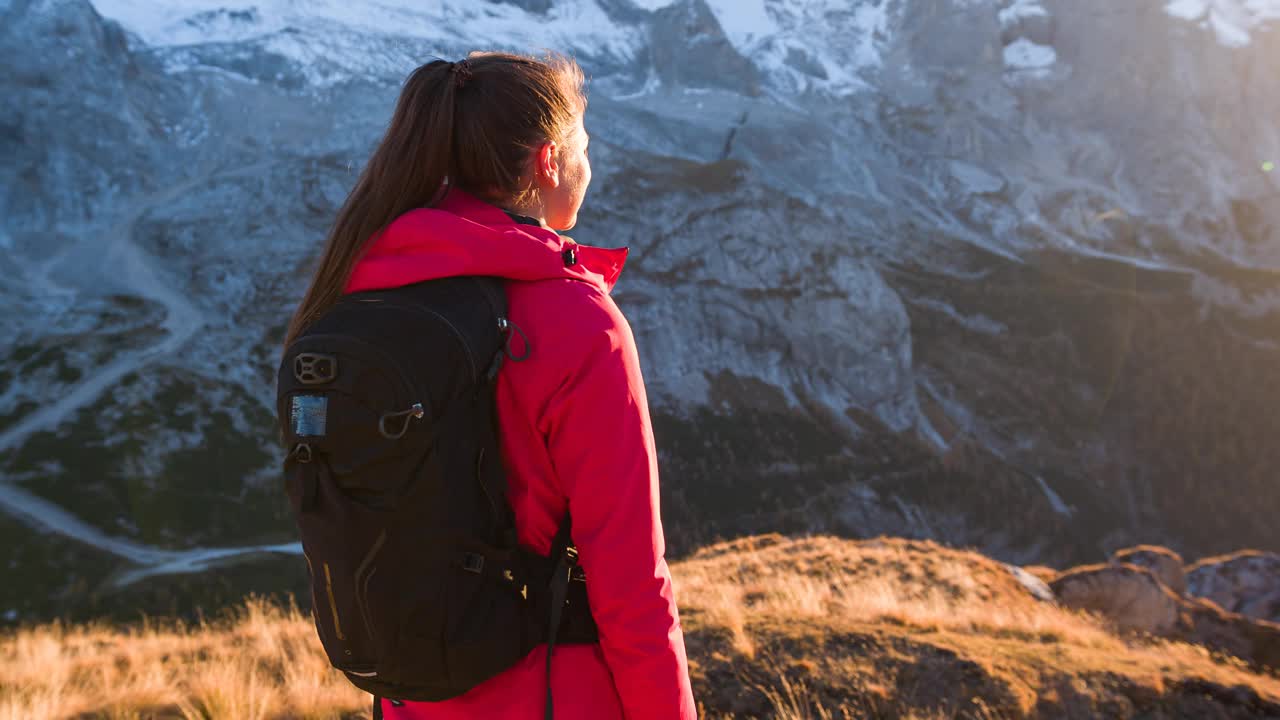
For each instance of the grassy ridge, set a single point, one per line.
(808, 628)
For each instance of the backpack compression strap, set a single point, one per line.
(563, 549)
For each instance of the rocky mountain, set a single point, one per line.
(993, 272)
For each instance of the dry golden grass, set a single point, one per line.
(807, 629)
(919, 584)
(264, 662)
(827, 628)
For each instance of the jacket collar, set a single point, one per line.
(463, 235)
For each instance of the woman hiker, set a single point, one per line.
(484, 160)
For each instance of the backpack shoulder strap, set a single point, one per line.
(494, 294)
(492, 290)
(563, 541)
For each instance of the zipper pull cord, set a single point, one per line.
(510, 329)
(415, 412)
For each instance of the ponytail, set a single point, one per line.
(470, 124)
(407, 170)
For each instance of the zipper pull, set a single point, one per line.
(415, 412)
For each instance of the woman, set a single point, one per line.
(483, 161)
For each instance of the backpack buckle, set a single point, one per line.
(315, 368)
(473, 563)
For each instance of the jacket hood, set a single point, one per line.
(463, 235)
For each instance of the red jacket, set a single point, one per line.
(575, 436)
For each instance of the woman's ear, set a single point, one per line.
(548, 168)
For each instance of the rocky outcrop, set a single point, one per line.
(690, 49)
(1164, 563)
(1132, 597)
(843, 624)
(1246, 582)
(82, 119)
(1143, 590)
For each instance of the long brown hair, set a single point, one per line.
(470, 125)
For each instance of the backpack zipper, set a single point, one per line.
(471, 360)
(333, 603)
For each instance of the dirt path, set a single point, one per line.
(122, 262)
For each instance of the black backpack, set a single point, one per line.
(419, 589)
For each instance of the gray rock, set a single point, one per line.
(1130, 596)
(1164, 563)
(1245, 582)
(690, 50)
(1034, 585)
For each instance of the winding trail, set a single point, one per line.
(151, 561)
(182, 320)
(120, 263)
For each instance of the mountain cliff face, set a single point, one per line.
(996, 273)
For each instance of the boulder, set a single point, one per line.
(1245, 582)
(1033, 582)
(1164, 563)
(1132, 597)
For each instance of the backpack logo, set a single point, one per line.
(315, 368)
(307, 415)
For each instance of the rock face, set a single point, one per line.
(693, 51)
(897, 266)
(1164, 563)
(1130, 596)
(1137, 592)
(1246, 582)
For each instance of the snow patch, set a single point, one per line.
(1034, 585)
(1232, 21)
(1026, 55)
(975, 323)
(1055, 500)
(1019, 10)
(825, 45)
(745, 21)
(1022, 55)
(345, 38)
(808, 44)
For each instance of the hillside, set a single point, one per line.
(897, 267)
(775, 627)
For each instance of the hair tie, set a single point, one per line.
(461, 73)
